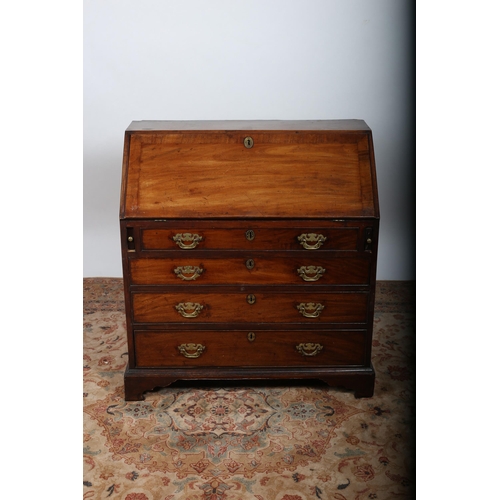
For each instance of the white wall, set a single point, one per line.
(253, 59)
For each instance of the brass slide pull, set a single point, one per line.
(191, 350)
(311, 241)
(310, 310)
(309, 349)
(311, 273)
(189, 309)
(187, 240)
(188, 273)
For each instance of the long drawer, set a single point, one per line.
(251, 238)
(252, 269)
(259, 307)
(244, 348)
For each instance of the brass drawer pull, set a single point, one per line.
(311, 241)
(189, 309)
(187, 240)
(309, 349)
(310, 310)
(191, 350)
(311, 273)
(188, 273)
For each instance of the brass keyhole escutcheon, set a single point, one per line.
(250, 263)
(248, 142)
(250, 235)
(251, 298)
(251, 336)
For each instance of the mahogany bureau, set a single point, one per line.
(249, 252)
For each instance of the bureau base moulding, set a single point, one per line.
(359, 380)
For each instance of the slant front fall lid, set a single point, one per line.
(248, 169)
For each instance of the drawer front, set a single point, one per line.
(251, 238)
(258, 307)
(243, 348)
(252, 269)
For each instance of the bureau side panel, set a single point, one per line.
(125, 163)
(127, 248)
(373, 249)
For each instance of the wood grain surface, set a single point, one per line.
(276, 238)
(225, 348)
(269, 307)
(212, 174)
(276, 269)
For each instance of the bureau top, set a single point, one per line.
(221, 125)
(210, 169)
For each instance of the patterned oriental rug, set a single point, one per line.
(239, 442)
